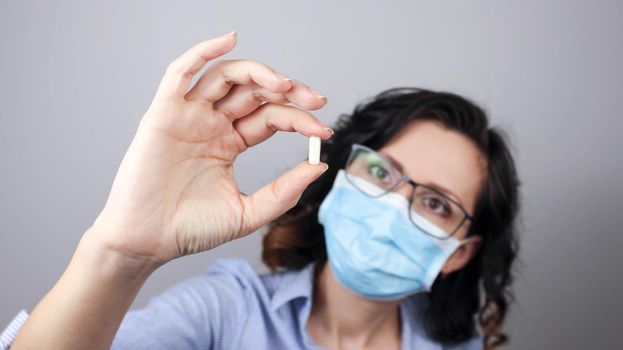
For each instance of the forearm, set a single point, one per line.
(85, 307)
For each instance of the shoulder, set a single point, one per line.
(234, 282)
(228, 283)
(235, 272)
(238, 273)
(205, 310)
(226, 280)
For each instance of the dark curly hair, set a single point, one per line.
(479, 293)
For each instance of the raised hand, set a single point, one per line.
(175, 192)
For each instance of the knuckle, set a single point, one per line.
(175, 68)
(248, 62)
(257, 95)
(271, 126)
(172, 66)
(274, 188)
(220, 63)
(255, 66)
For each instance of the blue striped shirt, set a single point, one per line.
(232, 307)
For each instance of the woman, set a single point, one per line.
(415, 213)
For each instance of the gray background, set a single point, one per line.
(76, 76)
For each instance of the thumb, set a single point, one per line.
(278, 196)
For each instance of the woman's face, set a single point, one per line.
(434, 155)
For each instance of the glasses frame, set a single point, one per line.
(404, 178)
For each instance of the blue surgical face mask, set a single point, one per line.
(373, 247)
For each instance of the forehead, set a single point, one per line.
(430, 153)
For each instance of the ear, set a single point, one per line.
(462, 255)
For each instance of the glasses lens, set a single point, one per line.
(431, 210)
(435, 213)
(366, 167)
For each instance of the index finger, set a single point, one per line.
(270, 118)
(180, 72)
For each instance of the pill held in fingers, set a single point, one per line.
(314, 150)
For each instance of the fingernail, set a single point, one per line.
(330, 130)
(319, 95)
(283, 77)
(325, 167)
(234, 33)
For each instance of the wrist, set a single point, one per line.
(110, 261)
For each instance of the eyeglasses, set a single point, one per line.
(426, 202)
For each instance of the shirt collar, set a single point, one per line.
(294, 284)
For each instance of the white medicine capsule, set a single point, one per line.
(314, 150)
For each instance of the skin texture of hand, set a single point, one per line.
(175, 192)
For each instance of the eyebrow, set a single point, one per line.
(433, 185)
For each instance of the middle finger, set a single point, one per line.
(244, 99)
(217, 80)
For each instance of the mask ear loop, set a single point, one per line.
(464, 241)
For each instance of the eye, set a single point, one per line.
(378, 172)
(437, 205)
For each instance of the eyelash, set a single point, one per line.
(446, 208)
